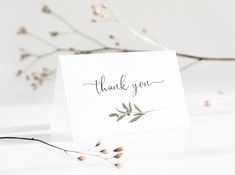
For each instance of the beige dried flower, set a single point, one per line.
(81, 158)
(119, 149)
(24, 55)
(54, 33)
(104, 6)
(96, 11)
(118, 165)
(207, 103)
(46, 9)
(19, 72)
(93, 20)
(104, 151)
(98, 143)
(144, 30)
(22, 31)
(118, 156)
(111, 36)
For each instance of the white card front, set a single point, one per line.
(118, 93)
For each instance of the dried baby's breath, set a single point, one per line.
(207, 103)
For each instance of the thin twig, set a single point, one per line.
(99, 155)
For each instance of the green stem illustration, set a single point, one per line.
(131, 110)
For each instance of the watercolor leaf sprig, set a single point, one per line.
(130, 110)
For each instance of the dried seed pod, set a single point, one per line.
(54, 33)
(46, 9)
(118, 156)
(21, 31)
(144, 30)
(93, 20)
(111, 36)
(104, 151)
(119, 149)
(207, 103)
(19, 72)
(118, 165)
(98, 143)
(81, 158)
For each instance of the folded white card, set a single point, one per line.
(118, 93)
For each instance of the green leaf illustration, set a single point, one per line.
(136, 107)
(124, 106)
(130, 108)
(120, 111)
(134, 119)
(139, 113)
(121, 117)
(113, 115)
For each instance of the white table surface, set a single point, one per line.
(207, 147)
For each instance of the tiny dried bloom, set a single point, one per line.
(207, 103)
(23, 56)
(104, 151)
(93, 20)
(19, 72)
(118, 165)
(119, 149)
(71, 49)
(111, 36)
(104, 6)
(46, 9)
(144, 30)
(21, 31)
(117, 43)
(98, 143)
(54, 33)
(118, 156)
(81, 158)
(96, 11)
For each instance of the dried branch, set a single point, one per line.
(101, 12)
(104, 154)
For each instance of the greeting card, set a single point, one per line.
(110, 94)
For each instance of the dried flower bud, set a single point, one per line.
(23, 56)
(72, 49)
(96, 11)
(81, 158)
(117, 43)
(118, 156)
(46, 9)
(118, 165)
(104, 6)
(104, 151)
(93, 20)
(21, 31)
(98, 143)
(34, 85)
(54, 33)
(207, 103)
(144, 30)
(111, 36)
(19, 72)
(119, 149)
(45, 69)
